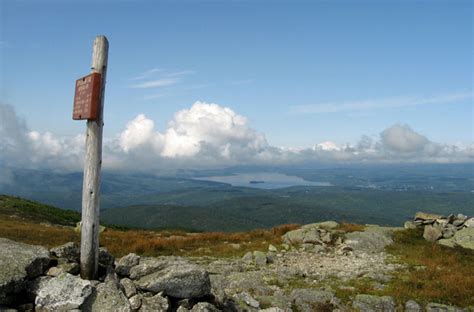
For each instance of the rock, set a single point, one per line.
(105, 258)
(372, 240)
(326, 225)
(247, 299)
(62, 293)
(235, 246)
(294, 237)
(409, 225)
(149, 265)
(469, 223)
(260, 258)
(108, 297)
(135, 302)
(312, 299)
(69, 267)
(157, 303)
(272, 248)
(368, 303)
(248, 257)
(449, 230)
(412, 306)
(272, 309)
(427, 216)
(69, 251)
(204, 307)
(437, 307)
(432, 233)
(463, 238)
(17, 262)
(126, 263)
(178, 280)
(326, 238)
(312, 237)
(78, 228)
(128, 287)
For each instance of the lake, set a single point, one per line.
(263, 180)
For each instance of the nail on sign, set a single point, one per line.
(87, 97)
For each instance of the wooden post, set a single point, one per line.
(92, 165)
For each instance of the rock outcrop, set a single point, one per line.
(452, 231)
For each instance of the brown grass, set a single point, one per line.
(350, 227)
(447, 277)
(149, 243)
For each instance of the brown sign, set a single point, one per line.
(87, 97)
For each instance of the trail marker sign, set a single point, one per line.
(87, 97)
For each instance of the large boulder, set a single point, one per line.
(368, 303)
(62, 293)
(326, 225)
(108, 296)
(178, 280)
(149, 265)
(372, 240)
(17, 262)
(313, 300)
(437, 307)
(425, 216)
(69, 251)
(432, 233)
(126, 263)
(463, 238)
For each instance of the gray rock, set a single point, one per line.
(149, 265)
(449, 230)
(312, 237)
(108, 297)
(69, 267)
(427, 216)
(17, 262)
(272, 309)
(272, 248)
(368, 303)
(128, 287)
(294, 237)
(432, 233)
(126, 263)
(260, 258)
(412, 306)
(326, 225)
(469, 223)
(69, 251)
(312, 299)
(409, 225)
(105, 258)
(437, 307)
(247, 299)
(372, 240)
(157, 303)
(178, 280)
(463, 238)
(204, 307)
(62, 293)
(135, 302)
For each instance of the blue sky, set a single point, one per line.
(368, 64)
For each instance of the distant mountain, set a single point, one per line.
(28, 210)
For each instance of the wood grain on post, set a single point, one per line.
(92, 166)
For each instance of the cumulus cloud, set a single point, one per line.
(402, 138)
(21, 147)
(209, 135)
(204, 131)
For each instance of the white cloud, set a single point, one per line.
(163, 82)
(401, 138)
(147, 74)
(209, 135)
(373, 104)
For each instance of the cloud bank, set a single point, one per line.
(209, 135)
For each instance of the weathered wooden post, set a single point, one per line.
(89, 104)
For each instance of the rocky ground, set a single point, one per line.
(315, 269)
